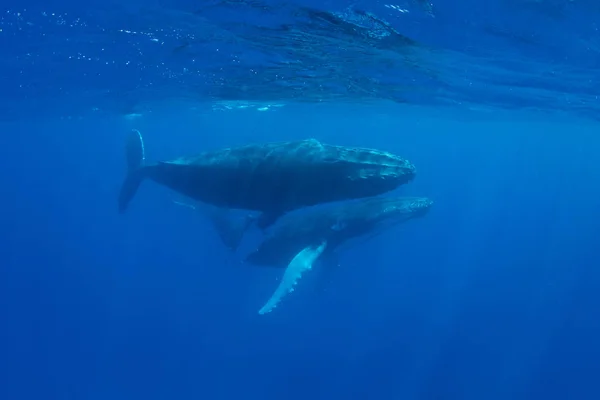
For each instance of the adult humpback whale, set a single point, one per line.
(273, 178)
(229, 228)
(299, 239)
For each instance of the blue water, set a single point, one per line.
(492, 295)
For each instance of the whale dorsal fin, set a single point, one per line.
(303, 261)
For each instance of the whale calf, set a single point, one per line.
(300, 239)
(273, 178)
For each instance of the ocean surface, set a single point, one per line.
(494, 294)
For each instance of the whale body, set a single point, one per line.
(273, 178)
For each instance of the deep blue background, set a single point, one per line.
(492, 295)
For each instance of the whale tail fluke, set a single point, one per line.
(134, 153)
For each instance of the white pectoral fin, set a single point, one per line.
(303, 261)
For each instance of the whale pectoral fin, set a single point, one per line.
(267, 219)
(230, 230)
(303, 261)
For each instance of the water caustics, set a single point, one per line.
(231, 53)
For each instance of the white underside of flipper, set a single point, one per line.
(302, 262)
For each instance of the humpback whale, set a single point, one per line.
(301, 238)
(229, 228)
(273, 178)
